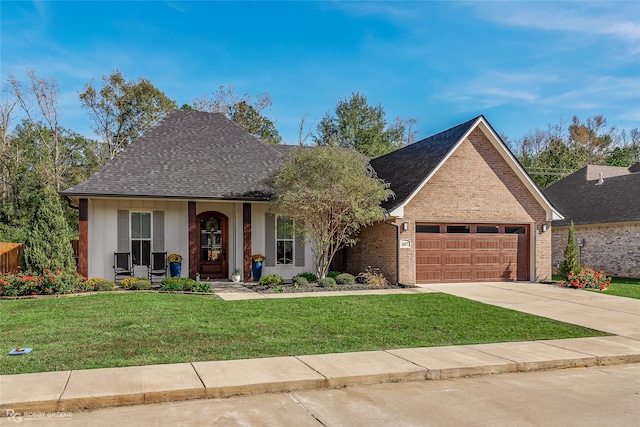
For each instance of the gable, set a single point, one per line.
(445, 144)
(475, 184)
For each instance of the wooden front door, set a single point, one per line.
(212, 259)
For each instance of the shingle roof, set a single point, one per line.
(189, 154)
(406, 169)
(582, 199)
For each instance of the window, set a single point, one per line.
(140, 238)
(487, 229)
(456, 229)
(284, 240)
(515, 230)
(422, 228)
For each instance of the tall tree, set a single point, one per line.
(45, 94)
(48, 245)
(330, 193)
(243, 111)
(357, 125)
(123, 109)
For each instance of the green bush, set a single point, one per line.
(170, 286)
(300, 281)
(334, 274)
(50, 283)
(328, 282)
(134, 283)
(271, 280)
(47, 246)
(99, 284)
(309, 276)
(201, 287)
(173, 284)
(570, 264)
(345, 279)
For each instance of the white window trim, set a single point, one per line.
(292, 240)
(131, 238)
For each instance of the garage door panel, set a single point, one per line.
(462, 275)
(483, 259)
(428, 244)
(457, 244)
(486, 244)
(485, 253)
(429, 260)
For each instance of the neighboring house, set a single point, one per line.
(604, 204)
(465, 210)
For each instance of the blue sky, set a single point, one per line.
(521, 64)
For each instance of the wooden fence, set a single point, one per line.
(10, 255)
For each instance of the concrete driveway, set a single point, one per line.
(595, 310)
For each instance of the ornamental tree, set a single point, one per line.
(570, 263)
(47, 245)
(330, 193)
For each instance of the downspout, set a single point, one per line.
(386, 221)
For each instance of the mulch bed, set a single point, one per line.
(314, 287)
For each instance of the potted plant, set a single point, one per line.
(175, 264)
(235, 276)
(256, 266)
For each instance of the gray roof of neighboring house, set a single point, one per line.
(581, 196)
(189, 154)
(407, 168)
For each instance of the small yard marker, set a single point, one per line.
(20, 351)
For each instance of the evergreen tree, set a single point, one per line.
(48, 245)
(570, 262)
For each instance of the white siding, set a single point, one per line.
(103, 224)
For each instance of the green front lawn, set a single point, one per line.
(109, 330)
(622, 287)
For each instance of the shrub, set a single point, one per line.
(201, 287)
(173, 284)
(170, 286)
(334, 274)
(373, 277)
(47, 246)
(327, 282)
(271, 280)
(309, 276)
(570, 262)
(300, 281)
(587, 278)
(278, 289)
(345, 279)
(135, 283)
(50, 283)
(99, 284)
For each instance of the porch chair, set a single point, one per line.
(122, 265)
(158, 267)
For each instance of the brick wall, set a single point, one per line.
(474, 185)
(376, 248)
(613, 248)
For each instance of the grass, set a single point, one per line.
(620, 286)
(623, 287)
(110, 330)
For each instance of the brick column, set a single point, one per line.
(246, 240)
(83, 238)
(193, 240)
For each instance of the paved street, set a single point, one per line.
(596, 396)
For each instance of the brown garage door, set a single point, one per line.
(471, 252)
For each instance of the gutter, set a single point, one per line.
(386, 221)
(70, 203)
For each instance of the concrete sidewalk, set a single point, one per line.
(99, 388)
